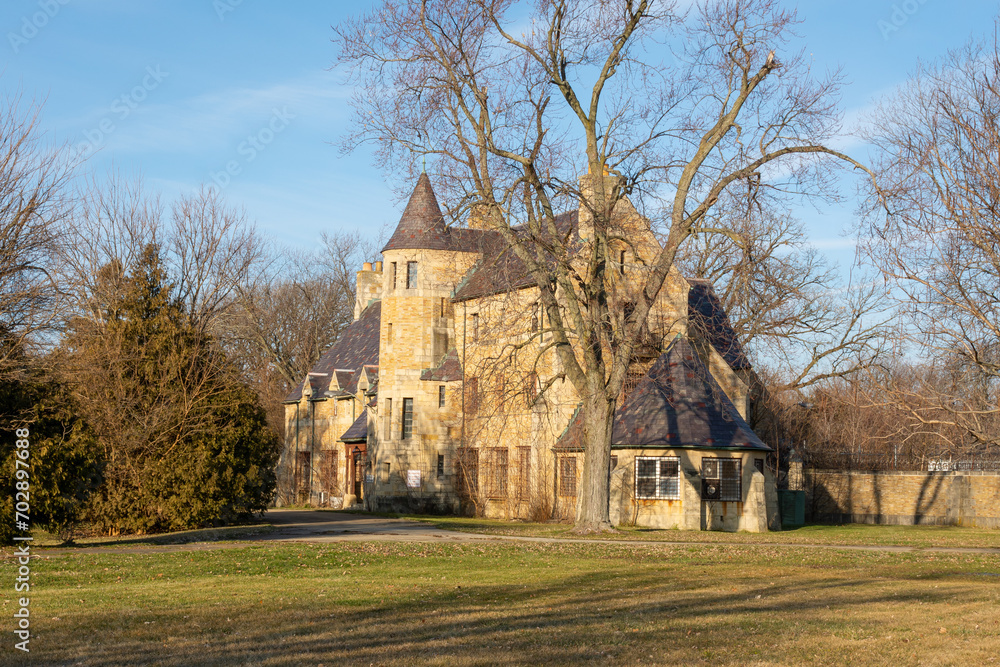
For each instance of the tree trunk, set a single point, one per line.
(592, 515)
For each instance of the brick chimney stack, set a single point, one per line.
(369, 287)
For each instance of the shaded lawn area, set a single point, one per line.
(846, 535)
(220, 534)
(511, 604)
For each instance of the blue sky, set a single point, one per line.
(176, 90)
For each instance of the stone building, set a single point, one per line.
(443, 396)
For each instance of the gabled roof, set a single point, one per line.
(500, 269)
(356, 347)
(343, 378)
(707, 316)
(358, 431)
(448, 370)
(422, 225)
(678, 404)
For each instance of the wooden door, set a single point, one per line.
(358, 474)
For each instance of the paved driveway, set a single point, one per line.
(320, 526)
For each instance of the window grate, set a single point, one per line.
(468, 472)
(657, 478)
(523, 472)
(472, 395)
(496, 472)
(567, 476)
(726, 472)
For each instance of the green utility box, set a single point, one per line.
(793, 507)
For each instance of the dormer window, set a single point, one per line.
(411, 275)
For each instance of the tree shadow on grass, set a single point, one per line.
(615, 615)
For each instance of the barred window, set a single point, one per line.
(495, 472)
(657, 477)
(468, 472)
(727, 473)
(523, 472)
(567, 476)
(632, 379)
(330, 471)
(472, 395)
(407, 420)
(441, 396)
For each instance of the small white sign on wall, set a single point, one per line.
(413, 479)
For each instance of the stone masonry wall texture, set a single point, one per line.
(904, 498)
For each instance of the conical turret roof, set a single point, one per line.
(422, 224)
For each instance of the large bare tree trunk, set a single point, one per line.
(592, 514)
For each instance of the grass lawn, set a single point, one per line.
(847, 535)
(510, 604)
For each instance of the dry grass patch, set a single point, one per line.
(512, 604)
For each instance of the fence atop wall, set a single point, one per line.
(881, 461)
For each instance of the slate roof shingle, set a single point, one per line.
(707, 315)
(356, 347)
(422, 226)
(448, 370)
(358, 432)
(500, 269)
(677, 404)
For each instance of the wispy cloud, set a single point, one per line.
(210, 121)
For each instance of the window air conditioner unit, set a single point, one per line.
(710, 489)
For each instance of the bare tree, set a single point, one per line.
(513, 116)
(216, 254)
(790, 310)
(211, 250)
(282, 324)
(33, 200)
(937, 240)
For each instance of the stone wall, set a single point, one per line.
(904, 498)
(756, 512)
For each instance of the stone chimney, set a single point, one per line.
(369, 287)
(479, 217)
(588, 185)
(624, 214)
